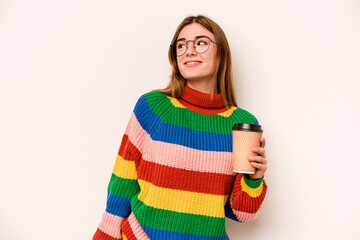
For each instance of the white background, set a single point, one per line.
(71, 72)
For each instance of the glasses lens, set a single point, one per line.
(180, 48)
(202, 45)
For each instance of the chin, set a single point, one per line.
(193, 78)
(196, 77)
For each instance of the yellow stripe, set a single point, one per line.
(123, 236)
(182, 201)
(124, 168)
(228, 112)
(253, 192)
(175, 102)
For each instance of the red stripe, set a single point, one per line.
(100, 235)
(241, 201)
(129, 151)
(188, 180)
(206, 111)
(126, 228)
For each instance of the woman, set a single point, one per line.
(173, 175)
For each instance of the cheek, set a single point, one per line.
(180, 67)
(178, 62)
(212, 60)
(210, 55)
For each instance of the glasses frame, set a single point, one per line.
(173, 46)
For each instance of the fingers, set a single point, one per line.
(259, 166)
(257, 159)
(259, 162)
(262, 142)
(260, 151)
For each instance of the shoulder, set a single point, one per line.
(154, 96)
(150, 100)
(241, 115)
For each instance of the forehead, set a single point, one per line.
(194, 29)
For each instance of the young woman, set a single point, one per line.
(173, 175)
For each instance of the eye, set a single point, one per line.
(180, 45)
(201, 42)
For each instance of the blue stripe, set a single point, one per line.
(229, 212)
(191, 138)
(118, 206)
(154, 233)
(168, 133)
(142, 112)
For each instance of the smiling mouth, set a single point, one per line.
(192, 63)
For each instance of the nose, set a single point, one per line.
(191, 49)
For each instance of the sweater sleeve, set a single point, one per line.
(246, 197)
(123, 183)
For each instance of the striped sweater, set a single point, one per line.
(173, 177)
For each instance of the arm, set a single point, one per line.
(247, 194)
(123, 183)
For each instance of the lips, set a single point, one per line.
(192, 62)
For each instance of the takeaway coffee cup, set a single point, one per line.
(245, 137)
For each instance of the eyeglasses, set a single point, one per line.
(201, 45)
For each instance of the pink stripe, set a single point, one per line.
(136, 133)
(110, 224)
(174, 155)
(243, 216)
(136, 228)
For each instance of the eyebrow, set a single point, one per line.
(183, 39)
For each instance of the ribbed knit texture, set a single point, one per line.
(173, 177)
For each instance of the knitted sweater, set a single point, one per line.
(173, 177)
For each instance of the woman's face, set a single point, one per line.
(192, 65)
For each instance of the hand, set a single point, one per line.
(259, 162)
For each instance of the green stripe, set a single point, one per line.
(253, 183)
(122, 187)
(176, 221)
(161, 105)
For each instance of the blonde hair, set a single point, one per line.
(222, 80)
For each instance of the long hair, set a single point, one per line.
(222, 80)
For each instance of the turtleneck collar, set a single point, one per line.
(200, 102)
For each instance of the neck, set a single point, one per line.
(201, 86)
(200, 102)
